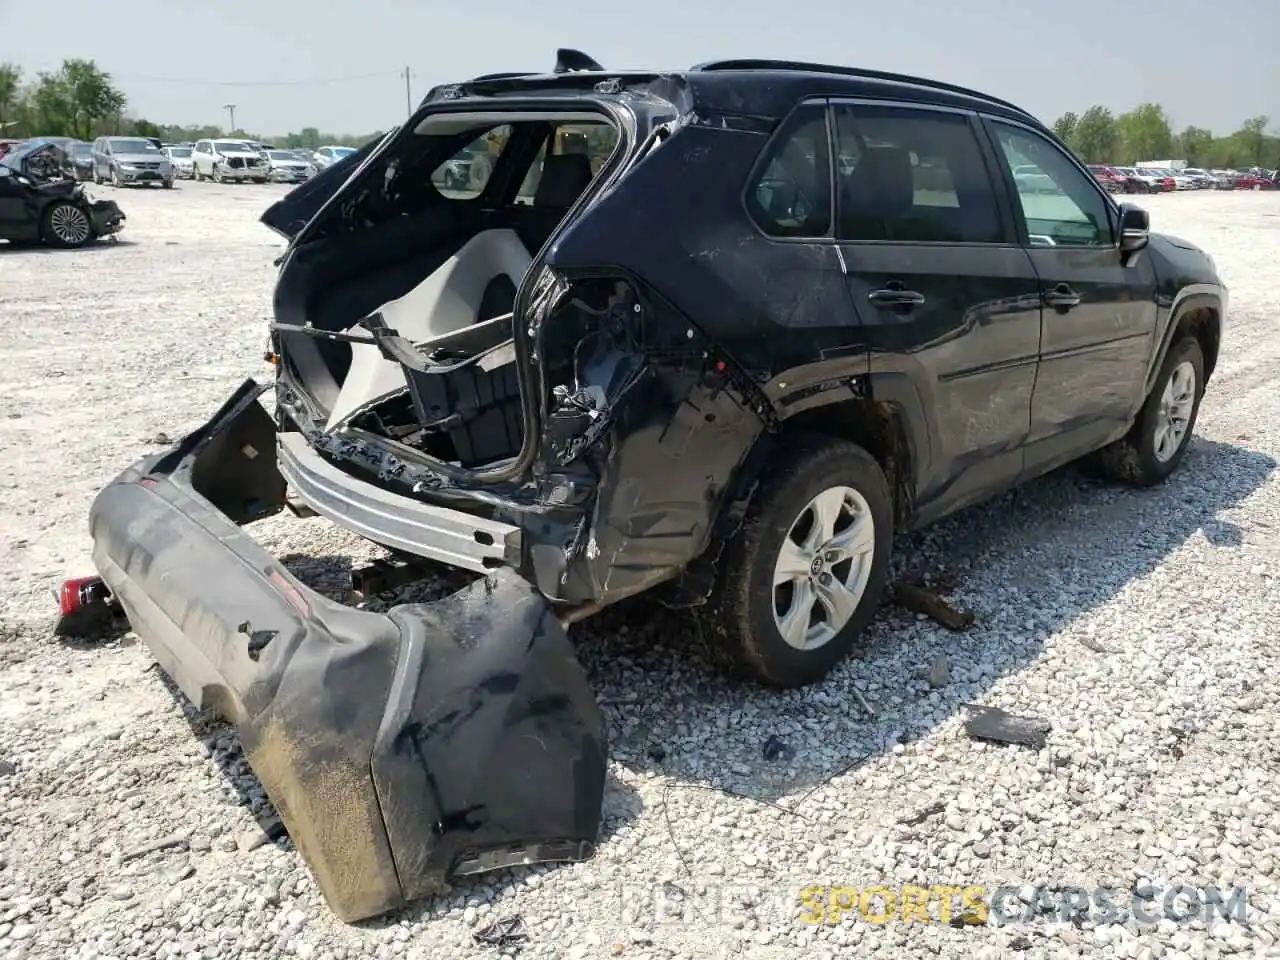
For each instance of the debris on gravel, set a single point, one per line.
(1155, 781)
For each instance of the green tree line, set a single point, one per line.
(1147, 133)
(80, 100)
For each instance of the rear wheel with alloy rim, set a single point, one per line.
(66, 225)
(805, 574)
(1158, 440)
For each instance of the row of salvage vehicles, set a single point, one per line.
(41, 204)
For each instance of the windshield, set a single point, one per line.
(179, 151)
(131, 145)
(284, 155)
(232, 146)
(80, 149)
(343, 151)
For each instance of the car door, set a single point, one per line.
(1099, 313)
(15, 212)
(198, 158)
(949, 300)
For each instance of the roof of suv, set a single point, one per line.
(742, 86)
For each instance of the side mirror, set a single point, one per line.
(1135, 228)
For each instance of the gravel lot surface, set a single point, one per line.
(1142, 624)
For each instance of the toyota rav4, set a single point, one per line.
(748, 322)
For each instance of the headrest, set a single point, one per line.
(564, 177)
(889, 169)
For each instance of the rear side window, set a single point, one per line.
(790, 193)
(912, 176)
(465, 174)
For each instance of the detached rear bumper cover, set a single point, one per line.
(437, 739)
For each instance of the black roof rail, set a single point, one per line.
(800, 66)
(502, 76)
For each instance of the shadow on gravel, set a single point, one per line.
(1027, 563)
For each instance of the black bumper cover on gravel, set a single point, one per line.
(401, 748)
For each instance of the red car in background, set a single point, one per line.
(1110, 178)
(7, 145)
(1249, 181)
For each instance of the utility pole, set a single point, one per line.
(231, 109)
(408, 97)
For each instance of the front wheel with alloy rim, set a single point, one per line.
(1158, 440)
(803, 577)
(217, 174)
(115, 177)
(66, 225)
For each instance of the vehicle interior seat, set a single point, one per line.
(476, 284)
(564, 178)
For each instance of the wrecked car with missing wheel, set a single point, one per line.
(717, 347)
(41, 203)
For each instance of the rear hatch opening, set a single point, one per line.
(406, 286)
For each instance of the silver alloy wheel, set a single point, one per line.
(1174, 413)
(823, 567)
(69, 224)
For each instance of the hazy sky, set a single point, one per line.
(335, 65)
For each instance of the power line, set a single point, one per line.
(254, 83)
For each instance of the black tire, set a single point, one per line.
(740, 618)
(167, 184)
(66, 225)
(1133, 459)
(97, 180)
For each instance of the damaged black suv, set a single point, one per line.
(718, 334)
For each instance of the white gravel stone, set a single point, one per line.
(1160, 764)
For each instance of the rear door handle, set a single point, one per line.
(1062, 297)
(895, 297)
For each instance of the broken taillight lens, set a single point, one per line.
(79, 593)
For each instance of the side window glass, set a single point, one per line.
(912, 176)
(1060, 204)
(465, 174)
(790, 192)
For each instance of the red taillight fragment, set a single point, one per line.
(79, 593)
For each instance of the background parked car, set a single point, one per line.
(1110, 179)
(1251, 181)
(1160, 178)
(284, 166)
(326, 157)
(1201, 179)
(130, 160)
(1138, 183)
(180, 157)
(79, 162)
(40, 204)
(222, 160)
